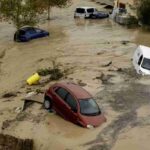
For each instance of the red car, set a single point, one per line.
(74, 104)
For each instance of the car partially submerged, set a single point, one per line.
(74, 104)
(141, 60)
(25, 34)
(89, 12)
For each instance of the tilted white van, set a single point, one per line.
(141, 60)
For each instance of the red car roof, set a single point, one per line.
(75, 89)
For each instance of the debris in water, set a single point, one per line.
(31, 98)
(9, 94)
(107, 64)
(34, 79)
(18, 110)
(104, 78)
(125, 42)
(6, 124)
(81, 83)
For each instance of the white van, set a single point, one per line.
(141, 60)
(84, 12)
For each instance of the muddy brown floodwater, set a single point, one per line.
(84, 48)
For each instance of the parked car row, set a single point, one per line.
(89, 13)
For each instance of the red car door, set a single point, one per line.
(59, 101)
(72, 108)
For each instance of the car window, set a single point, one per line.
(146, 63)
(62, 93)
(71, 102)
(80, 10)
(89, 107)
(21, 32)
(38, 30)
(140, 60)
(31, 30)
(90, 10)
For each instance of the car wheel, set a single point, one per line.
(47, 103)
(16, 38)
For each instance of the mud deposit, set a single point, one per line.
(9, 142)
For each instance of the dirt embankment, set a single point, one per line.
(8, 142)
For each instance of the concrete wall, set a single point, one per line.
(130, 6)
(127, 2)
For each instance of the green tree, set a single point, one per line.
(143, 11)
(48, 4)
(20, 12)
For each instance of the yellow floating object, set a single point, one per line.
(34, 79)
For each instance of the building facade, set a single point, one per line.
(129, 5)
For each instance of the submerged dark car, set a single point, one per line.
(99, 15)
(28, 33)
(74, 104)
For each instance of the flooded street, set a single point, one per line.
(84, 48)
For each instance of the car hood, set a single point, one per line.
(93, 120)
(145, 71)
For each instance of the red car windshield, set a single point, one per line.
(89, 107)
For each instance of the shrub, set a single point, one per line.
(143, 11)
(44, 72)
(55, 72)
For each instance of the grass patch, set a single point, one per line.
(55, 73)
(44, 72)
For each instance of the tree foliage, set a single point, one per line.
(25, 12)
(48, 4)
(143, 11)
(20, 12)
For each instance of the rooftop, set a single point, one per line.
(145, 50)
(76, 90)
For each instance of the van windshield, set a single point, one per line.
(89, 107)
(146, 63)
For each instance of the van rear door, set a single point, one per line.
(80, 12)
